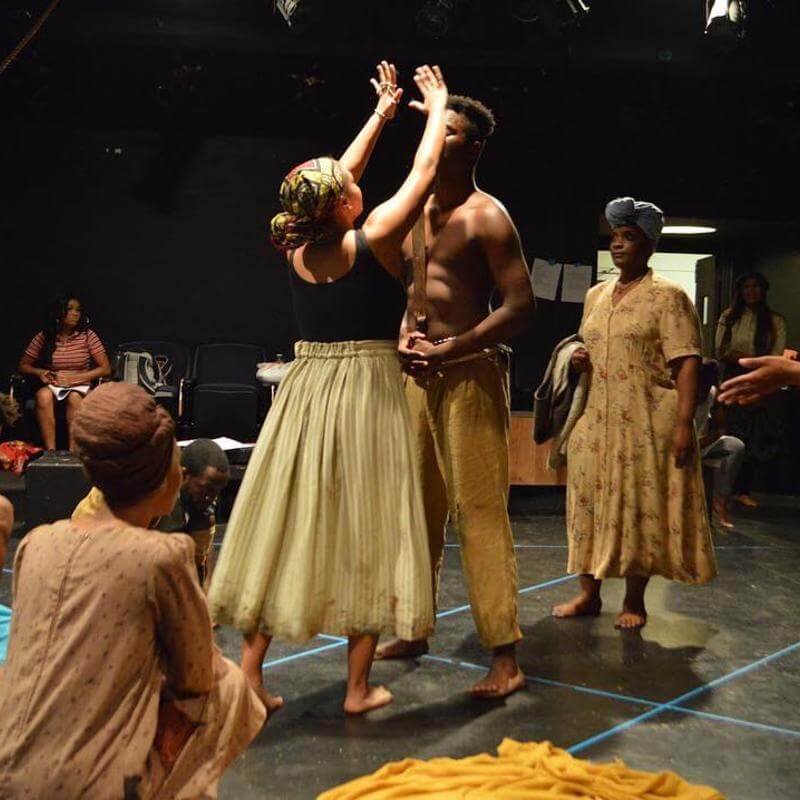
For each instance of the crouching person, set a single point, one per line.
(205, 472)
(113, 687)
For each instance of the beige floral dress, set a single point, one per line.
(630, 510)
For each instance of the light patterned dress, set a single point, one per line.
(109, 619)
(630, 510)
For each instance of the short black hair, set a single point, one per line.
(481, 119)
(203, 453)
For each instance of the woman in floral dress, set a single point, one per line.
(635, 501)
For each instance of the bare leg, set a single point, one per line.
(254, 649)
(74, 401)
(401, 648)
(634, 614)
(586, 604)
(361, 697)
(504, 676)
(46, 417)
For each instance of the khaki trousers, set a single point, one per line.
(460, 417)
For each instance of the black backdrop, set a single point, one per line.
(140, 155)
(164, 235)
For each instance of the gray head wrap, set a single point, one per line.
(627, 211)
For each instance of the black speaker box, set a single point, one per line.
(55, 483)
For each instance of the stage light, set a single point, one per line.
(435, 16)
(297, 13)
(687, 230)
(726, 19)
(554, 14)
(577, 6)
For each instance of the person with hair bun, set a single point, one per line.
(113, 686)
(327, 534)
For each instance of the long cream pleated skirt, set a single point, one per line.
(328, 533)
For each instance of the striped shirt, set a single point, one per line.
(72, 354)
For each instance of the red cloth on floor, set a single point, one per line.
(14, 456)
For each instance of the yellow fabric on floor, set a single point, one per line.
(523, 771)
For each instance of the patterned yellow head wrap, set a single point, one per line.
(308, 197)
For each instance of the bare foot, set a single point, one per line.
(746, 500)
(584, 605)
(401, 648)
(629, 620)
(362, 702)
(271, 702)
(499, 682)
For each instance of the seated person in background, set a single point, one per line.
(66, 356)
(723, 453)
(748, 328)
(204, 474)
(113, 687)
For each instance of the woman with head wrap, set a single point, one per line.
(328, 532)
(635, 499)
(113, 687)
(750, 329)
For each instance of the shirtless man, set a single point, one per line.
(457, 388)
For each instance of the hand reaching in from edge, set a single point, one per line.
(432, 87)
(389, 94)
(768, 374)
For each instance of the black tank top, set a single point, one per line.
(366, 303)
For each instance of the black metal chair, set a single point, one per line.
(225, 397)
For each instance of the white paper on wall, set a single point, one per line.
(545, 276)
(577, 281)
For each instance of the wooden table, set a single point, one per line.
(528, 460)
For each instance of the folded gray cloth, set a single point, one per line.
(646, 216)
(559, 401)
(552, 398)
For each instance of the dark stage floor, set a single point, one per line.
(710, 688)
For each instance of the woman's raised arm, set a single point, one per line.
(357, 155)
(387, 226)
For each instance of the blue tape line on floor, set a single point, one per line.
(305, 654)
(338, 641)
(535, 587)
(641, 701)
(675, 704)
(736, 721)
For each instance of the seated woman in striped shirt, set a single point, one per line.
(66, 356)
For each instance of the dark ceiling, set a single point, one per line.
(232, 62)
(631, 77)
